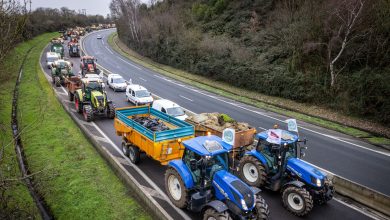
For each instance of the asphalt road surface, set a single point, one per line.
(330, 150)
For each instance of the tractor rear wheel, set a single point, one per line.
(175, 188)
(125, 149)
(88, 113)
(252, 171)
(261, 207)
(78, 105)
(57, 81)
(297, 200)
(110, 111)
(212, 214)
(134, 154)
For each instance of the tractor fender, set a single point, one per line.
(79, 94)
(217, 205)
(296, 183)
(183, 171)
(255, 190)
(259, 156)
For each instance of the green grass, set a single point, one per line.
(274, 104)
(75, 181)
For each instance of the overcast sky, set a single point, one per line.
(92, 6)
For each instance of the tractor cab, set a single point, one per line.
(92, 85)
(88, 65)
(205, 156)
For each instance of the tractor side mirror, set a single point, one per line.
(302, 154)
(193, 164)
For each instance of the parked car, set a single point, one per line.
(170, 108)
(116, 82)
(138, 95)
(51, 57)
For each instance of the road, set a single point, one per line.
(150, 173)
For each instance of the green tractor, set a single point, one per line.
(60, 70)
(57, 47)
(91, 100)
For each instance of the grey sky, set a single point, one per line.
(93, 6)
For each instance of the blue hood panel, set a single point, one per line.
(304, 170)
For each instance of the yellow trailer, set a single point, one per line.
(162, 146)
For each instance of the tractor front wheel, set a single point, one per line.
(88, 113)
(134, 154)
(110, 111)
(261, 207)
(71, 96)
(57, 81)
(175, 188)
(297, 200)
(212, 214)
(252, 171)
(78, 105)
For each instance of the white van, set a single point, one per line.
(138, 95)
(170, 108)
(116, 82)
(51, 57)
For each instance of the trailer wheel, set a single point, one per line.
(71, 96)
(252, 171)
(110, 111)
(88, 113)
(212, 214)
(125, 149)
(297, 200)
(175, 188)
(78, 105)
(261, 207)
(134, 154)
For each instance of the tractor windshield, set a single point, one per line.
(91, 86)
(88, 61)
(216, 163)
(270, 149)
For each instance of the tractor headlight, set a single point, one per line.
(318, 182)
(243, 204)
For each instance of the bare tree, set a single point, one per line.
(128, 10)
(346, 13)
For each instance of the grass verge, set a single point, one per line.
(74, 180)
(305, 112)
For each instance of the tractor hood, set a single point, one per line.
(309, 174)
(229, 187)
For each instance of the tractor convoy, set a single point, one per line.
(214, 165)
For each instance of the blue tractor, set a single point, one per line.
(201, 182)
(278, 167)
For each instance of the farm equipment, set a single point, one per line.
(141, 131)
(57, 47)
(88, 65)
(73, 83)
(201, 182)
(60, 70)
(74, 50)
(215, 123)
(278, 168)
(92, 101)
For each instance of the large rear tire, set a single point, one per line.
(110, 111)
(88, 113)
(134, 154)
(57, 81)
(212, 214)
(252, 171)
(175, 188)
(261, 207)
(78, 104)
(297, 200)
(125, 148)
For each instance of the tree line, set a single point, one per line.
(19, 23)
(333, 53)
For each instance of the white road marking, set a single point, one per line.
(109, 50)
(262, 128)
(103, 42)
(356, 209)
(142, 79)
(186, 98)
(130, 63)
